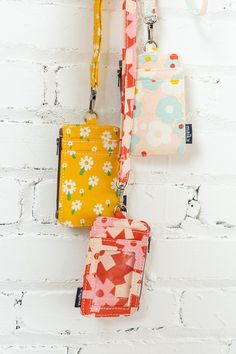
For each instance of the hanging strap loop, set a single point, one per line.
(97, 43)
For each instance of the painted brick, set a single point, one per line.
(45, 201)
(10, 201)
(21, 84)
(54, 311)
(46, 258)
(209, 309)
(28, 145)
(218, 204)
(7, 318)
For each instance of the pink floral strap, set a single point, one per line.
(128, 84)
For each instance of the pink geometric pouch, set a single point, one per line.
(159, 115)
(114, 267)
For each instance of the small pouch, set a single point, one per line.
(114, 267)
(159, 112)
(87, 173)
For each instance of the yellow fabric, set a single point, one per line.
(97, 42)
(88, 173)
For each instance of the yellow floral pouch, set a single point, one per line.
(88, 173)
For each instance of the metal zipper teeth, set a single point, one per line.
(59, 148)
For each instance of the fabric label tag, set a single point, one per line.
(78, 298)
(189, 133)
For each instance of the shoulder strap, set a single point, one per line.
(94, 66)
(128, 79)
(97, 43)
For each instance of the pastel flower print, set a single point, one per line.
(151, 84)
(98, 209)
(106, 135)
(179, 128)
(169, 109)
(81, 192)
(93, 181)
(76, 205)
(137, 109)
(69, 187)
(107, 167)
(158, 134)
(110, 145)
(174, 86)
(84, 132)
(86, 163)
(146, 58)
(173, 62)
(108, 203)
(115, 186)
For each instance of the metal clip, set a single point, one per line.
(150, 36)
(92, 102)
(150, 20)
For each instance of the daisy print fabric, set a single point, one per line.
(159, 112)
(88, 171)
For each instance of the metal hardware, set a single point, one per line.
(150, 19)
(150, 40)
(92, 101)
(120, 208)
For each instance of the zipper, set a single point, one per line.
(59, 148)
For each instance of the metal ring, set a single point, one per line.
(152, 42)
(120, 207)
(89, 115)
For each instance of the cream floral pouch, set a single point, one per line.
(159, 115)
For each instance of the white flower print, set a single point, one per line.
(86, 164)
(84, 132)
(64, 165)
(81, 191)
(115, 185)
(107, 167)
(72, 154)
(69, 187)
(98, 209)
(158, 134)
(70, 143)
(76, 205)
(106, 135)
(108, 202)
(68, 223)
(93, 181)
(68, 131)
(82, 222)
(94, 149)
(110, 145)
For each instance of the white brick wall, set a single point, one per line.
(189, 295)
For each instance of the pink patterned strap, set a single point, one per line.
(128, 80)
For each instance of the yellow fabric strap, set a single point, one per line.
(97, 42)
